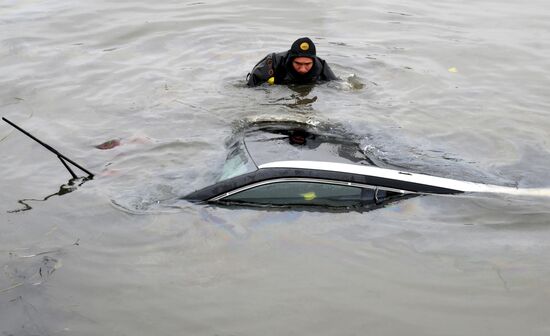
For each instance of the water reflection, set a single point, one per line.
(298, 99)
(64, 189)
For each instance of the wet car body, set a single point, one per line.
(285, 164)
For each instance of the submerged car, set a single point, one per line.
(281, 164)
(296, 164)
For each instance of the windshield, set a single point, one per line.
(238, 162)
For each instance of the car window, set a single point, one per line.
(300, 193)
(237, 163)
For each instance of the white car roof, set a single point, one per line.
(398, 175)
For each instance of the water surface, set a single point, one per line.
(441, 87)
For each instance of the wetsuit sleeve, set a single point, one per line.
(262, 71)
(327, 73)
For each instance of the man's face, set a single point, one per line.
(302, 65)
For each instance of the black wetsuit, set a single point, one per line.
(279, 66)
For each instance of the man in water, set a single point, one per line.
(299, 65)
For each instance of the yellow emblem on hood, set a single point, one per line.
(304, 46)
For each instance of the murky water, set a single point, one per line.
(449, 88)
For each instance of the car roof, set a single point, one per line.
(389, 174)
(289, 150)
